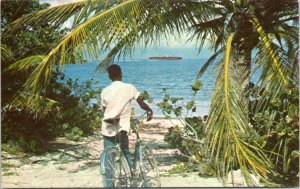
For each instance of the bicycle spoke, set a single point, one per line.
(148, 169)
(116, 169)
(112, 167)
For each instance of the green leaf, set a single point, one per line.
(197, 85)
(146, 95)
(166, 98)
(295, 154)
(177, 111)
(174, 100)
(190, 105)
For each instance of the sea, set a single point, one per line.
(177, 76)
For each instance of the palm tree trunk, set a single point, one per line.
(243, 68)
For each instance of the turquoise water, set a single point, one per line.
(153, 75)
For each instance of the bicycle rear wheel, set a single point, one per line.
(148, 167)
(115, 169)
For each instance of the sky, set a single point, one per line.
(176, 45)
(58, 2)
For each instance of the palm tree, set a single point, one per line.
(236, 30)
(247, 25)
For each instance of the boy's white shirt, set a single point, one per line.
(117, 100)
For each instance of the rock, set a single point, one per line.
(35, 159)
(239, 180)
(6, 155)
(56, 156)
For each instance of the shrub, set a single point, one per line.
(189, 140)
(77, 110)
(22, 131)
(276, 129)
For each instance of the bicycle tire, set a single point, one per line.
(148, 167)
(115, 169)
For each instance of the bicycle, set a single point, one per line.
(116, 170)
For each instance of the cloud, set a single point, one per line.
(177, 41)
(58, 2)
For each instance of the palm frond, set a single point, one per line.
(210, 61)
(83, 39)
(80, 11)
(116, 50)
(92, 7)
(227, 60)
(101, 31)
(56, 15)
(6, 53)
(228, 127)
(276, 64)
(270, 86)
(213, 23)
(148, 33)
(38, 105)
(25, 64)
(205, 30)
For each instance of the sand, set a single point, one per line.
(76, 164)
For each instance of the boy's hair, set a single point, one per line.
(114, 71)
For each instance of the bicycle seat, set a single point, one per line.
(112, 120)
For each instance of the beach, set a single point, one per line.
(76, 164)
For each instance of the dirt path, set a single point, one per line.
(76, 164)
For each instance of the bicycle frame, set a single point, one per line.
(136, 150)
(140, 164)
(135, 179)
(118, 146)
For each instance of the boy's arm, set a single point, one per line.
(145, 107)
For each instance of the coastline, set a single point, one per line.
(202, 110)
(167, 123)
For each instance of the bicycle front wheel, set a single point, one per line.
(148, 167)
(115, 169)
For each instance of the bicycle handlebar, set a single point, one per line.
(137, 119)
